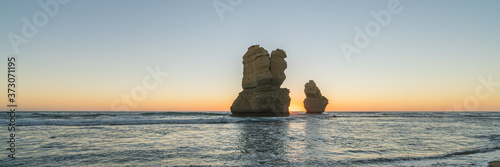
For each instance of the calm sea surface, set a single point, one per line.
(217, 139)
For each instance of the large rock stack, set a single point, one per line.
(262, 78)
(315, 103)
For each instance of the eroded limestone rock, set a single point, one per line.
(278, 66)
(315, 103)
(262, 77)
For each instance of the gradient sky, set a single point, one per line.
(428, 58)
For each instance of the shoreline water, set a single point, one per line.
(215, 138)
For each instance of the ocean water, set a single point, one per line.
(217, 139)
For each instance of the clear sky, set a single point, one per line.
(87, 54)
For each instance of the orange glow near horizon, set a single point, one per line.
(160, 102)
(295, 107)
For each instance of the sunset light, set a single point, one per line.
(250, 83)
(295, 107)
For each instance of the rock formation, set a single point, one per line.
(315, 103)
(262, 78)
(278, 67)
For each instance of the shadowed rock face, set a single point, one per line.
(494, 163)
(314, 103)
(267, 102)
(278, 66)
(262, 77)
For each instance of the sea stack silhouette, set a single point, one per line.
(263, 75)
(315, 103)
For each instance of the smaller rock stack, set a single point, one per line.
(314, 103)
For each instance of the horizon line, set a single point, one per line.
(228, 111)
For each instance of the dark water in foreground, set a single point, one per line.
(215, 138)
